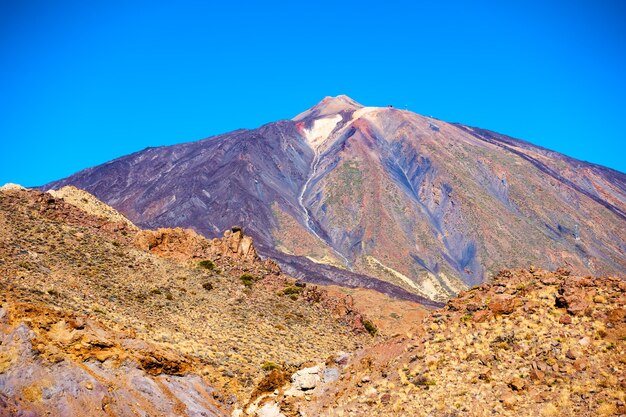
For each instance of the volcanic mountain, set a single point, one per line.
(379, 197)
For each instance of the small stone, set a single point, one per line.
(508, 400)
(472, 307)
(577, 307)
(365, 379)
(580, 364)
(480, 316)
(270, 409)
(503, 304)
(565, 319)
(599, 299)
(573, 354)
(536, 375)
(342, 358)
(517, 384)
(616, 315)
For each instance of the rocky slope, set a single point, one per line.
(379, 197)
(530, 343)
(99, 318)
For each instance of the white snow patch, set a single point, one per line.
(364, 111)
(321, 130)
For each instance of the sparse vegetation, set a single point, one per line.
(291, 291)
(370, 327)
(247, 280)
(268, 366)
(207, 264)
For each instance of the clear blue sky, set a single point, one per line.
(82, 82)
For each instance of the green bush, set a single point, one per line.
(269, 366)
(291, 291)
(247, 280)
(207, 264)
(370, 327)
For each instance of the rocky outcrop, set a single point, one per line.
(182, 244)
(87, 318)
(57, 363)
(11, 186)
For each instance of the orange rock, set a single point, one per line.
(481, 316)
(517, 384)
(503, 304)
(536, 375)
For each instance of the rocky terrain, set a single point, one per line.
(101, 318)
(381, 198)
(529, 343)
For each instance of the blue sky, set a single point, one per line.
(84, 82)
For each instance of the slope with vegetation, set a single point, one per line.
(108, 320)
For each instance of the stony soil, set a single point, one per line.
(530, 343)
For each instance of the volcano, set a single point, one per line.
(379, 197)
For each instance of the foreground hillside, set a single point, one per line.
(529, 343)
(379, 197)
(98, 318)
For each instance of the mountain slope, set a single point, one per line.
(379, 197)
(101, 319)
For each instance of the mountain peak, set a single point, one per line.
(329, 106)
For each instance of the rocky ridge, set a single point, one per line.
(90, 204)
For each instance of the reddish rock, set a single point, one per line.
(549, 279)
(503, 304)
(565, 319)
(581, 364)
(481, 316)
(577, 307)
(617, 315)
(536, 375)
(573, 354)
(508, 400)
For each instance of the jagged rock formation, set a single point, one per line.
(379, 197)
(56, 362)
(187, 244)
